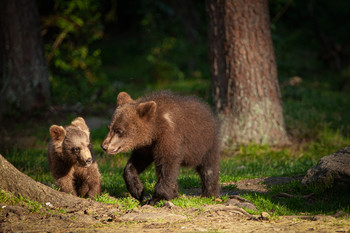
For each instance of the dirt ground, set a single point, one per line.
(226, 217)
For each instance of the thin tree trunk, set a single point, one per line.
(244, 76)
(24, 77)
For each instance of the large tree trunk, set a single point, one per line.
(18, 183)
(24, 77)
(244, 76)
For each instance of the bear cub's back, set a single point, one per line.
(188, 111)
(187, 118)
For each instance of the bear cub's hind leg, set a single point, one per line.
(209, 173)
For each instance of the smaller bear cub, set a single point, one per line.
(71, 161)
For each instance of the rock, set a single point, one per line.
(295, 81)
(232, 201)
(264, 216)
(240, 202)
(322, 217)
(89, 211)
(339, 214)
(246, 205)
(147, 207)
(223, 210)
(168, 204)
(331, 170)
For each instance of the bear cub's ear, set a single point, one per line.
(57, 133)
(147, 109)
(80, 123)
(123, 98)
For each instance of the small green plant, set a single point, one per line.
(62, 210)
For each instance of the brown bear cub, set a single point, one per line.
(171, 131)
(71, 161)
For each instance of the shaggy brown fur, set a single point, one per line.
(171, 131)
(71, 161)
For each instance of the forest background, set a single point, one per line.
(95, 49)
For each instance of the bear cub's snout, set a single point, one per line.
(104, 147)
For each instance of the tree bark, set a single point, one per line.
(18, 183)
(245, 91)
(24, 77)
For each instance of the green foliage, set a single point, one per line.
(161, 46)
(70, 30)
(154, 53)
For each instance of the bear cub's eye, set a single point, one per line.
(119, 132)
(76, 150)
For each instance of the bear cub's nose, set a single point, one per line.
(104, 147)
(88, 161)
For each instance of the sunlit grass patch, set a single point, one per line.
(124, 203)
(194, 201)
(262, 161)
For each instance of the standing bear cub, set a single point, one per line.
(71, 161)
(171, 131)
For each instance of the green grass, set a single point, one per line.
(194, 201)
(323, 201)
(32, 162)
(310, 109)
(10, 199)
(125, 203)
